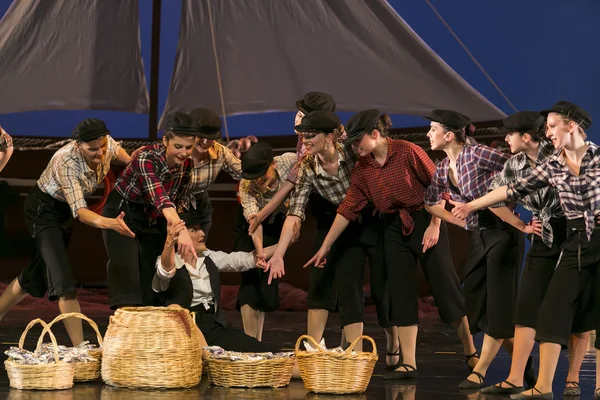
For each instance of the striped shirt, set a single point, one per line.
(300, 152)
(579, 194)
(69, 178)
(543, 204)
(312, 176)
(254, 198)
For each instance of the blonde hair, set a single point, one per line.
(579, 129)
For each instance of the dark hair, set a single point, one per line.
(462, 133)
(384, 124)
(538, 136)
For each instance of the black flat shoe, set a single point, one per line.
(573, 390)
(536, 394)
(530, 376)
(467, 384)
(468, 358)
(409, 373)
(393, 367)
(498, 389)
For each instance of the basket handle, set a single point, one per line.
(350, 349)
(70, 315)
(310, 339)
(46, 328)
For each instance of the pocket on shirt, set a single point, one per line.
(561, 181)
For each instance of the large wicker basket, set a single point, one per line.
(84, 371)
(57, 375)
(336, 373)
(249, 374)
(152, 347)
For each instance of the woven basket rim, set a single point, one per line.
(252, 362)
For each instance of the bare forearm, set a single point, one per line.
(167, 257)
(435, 220)
(4, 157)
(171, 215)
(269, 251)
(440, 212)
(340, 223)
(506, 215)
(257, 239)
(287, 233)
(90, 218)
(123, 158)
(277, 199)
(494, 197)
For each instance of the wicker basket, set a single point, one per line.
(249, 374)
(84, 371)
(336, 373)
(57, 375)
(152, 347)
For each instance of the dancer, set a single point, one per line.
(149, 192)
(210, 157)
(394, 175)
(6, 148)
(263, 175)
(74, 172)
(574, 170)
(548, 232)
(495, 248)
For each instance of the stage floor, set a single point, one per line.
(440, 363)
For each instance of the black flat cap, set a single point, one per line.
(256, 161)
(319, 121)
(364, 121)
(179, 122)
(316, 101)
(192, 219)
(451, 119)
(572, 111)
(524, 121)
(208, 122)
(90, 129)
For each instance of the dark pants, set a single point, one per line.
(49, 223)
(578, 266)
(401, 253)
(255, 290)
(492, 274)
(180, 291)
(539, 268)
(132, 261)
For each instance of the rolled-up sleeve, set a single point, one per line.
(301, 194)
(355, 199)
(538, 179)
(437, 188)
(248, 199)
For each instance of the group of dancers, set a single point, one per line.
(374, 198)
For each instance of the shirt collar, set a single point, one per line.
(81, 159)
(391, 150)
(341, 158)
(558, 156)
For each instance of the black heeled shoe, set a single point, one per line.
(389, 367)
(468, 358)
(467, 384)
(410, 373)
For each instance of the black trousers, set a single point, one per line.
(401, 253)
(492, 274)
(255, 290)
(132, 261)
(579, 265)
(180, 291)
(49, 224)
(539, 268)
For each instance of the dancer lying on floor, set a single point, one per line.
(195, 285)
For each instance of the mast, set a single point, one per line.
(154, 69)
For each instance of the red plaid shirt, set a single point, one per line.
(148, 180)
(396, 186)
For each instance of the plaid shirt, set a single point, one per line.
(254, 198)
(5, 142)
(68, 177)
(149, 181)
(206, 171)
(396, 186)
(312, 176)
(544, 204)
(476, 166)
(300, 152)
(579, 195)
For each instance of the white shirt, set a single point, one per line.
(203, 293)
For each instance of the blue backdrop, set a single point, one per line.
(537, 51)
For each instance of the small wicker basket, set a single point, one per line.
(249, 374)
(336, 373)
(52, 376)
(152, 347)
(84, 371)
